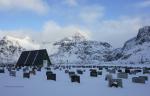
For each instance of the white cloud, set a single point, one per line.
(143, 4)
(16, 33)
(38, 6)
(50, 33)
(91, 14)
(116, 32)
(54, 32)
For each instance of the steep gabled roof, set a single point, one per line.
(33, 58)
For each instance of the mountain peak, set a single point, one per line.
(75, 38)
(78, 37)
(143, 34)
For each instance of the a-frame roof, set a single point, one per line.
(33, 58)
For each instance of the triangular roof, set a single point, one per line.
(33, 58)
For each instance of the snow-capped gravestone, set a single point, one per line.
(11, 48)
(2, 70)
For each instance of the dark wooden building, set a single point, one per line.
(34, 58)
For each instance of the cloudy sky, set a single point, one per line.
(112, 21)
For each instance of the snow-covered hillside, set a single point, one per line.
(136, 50)
(11, 48)
(77, 49)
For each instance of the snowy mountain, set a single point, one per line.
(77, 49)
(11, 48)
(136, 50)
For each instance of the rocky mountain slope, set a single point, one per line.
(77, 49)
(135, 50)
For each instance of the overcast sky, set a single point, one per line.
(112, 21)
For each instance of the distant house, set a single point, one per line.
(34, 58)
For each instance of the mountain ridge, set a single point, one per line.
(78, 49)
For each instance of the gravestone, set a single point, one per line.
(127, 70)
(75, 78)
(51, 76)
(115, 83)
(48, 73)
(100, 68)
(133, 72)
(71, 73)
(33, 72)
(119, 70)
(138, 70)
(111, 71)
(25, 69)
(39, 69)
(93, 73)
(12, 73)
(18, 68)
(122, 75)
(80, 72)
(66, 71)
(26, 75)
(138, 80)
(99, 72)
(2, 70)
(145, 77)
(146, 71)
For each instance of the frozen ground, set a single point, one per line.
(90, 86)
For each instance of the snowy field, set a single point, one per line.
(38, 85)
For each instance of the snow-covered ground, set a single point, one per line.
(37, 85)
